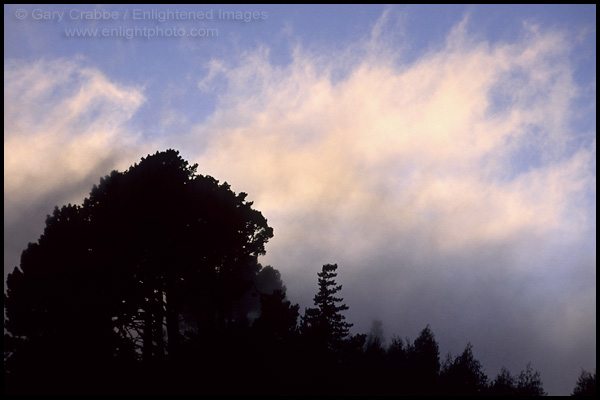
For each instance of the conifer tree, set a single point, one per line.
(325, 323)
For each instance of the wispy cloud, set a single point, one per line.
(473, 136)
(61, 119)
(65, 125)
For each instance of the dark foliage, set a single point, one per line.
(464, 375)
(586, 384)
(154, 253)
(527, 383)
(325, 324)
(504, 384)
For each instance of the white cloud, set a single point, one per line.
(62, 120)
(423, 140)
(65, 126)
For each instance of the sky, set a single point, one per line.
(443, 156)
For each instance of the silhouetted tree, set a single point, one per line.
(504, 384)
(186, 244)
(353, 348)
(326, 324)
(397, 367)
(324, 334)
(529, 383)
(424, 361)
(278, 318)
(268, 280)
(464, 375)
(149, 246)
(397, 349)
(586, 384)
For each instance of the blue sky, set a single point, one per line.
(443, 156)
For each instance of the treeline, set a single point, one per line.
(152, 286)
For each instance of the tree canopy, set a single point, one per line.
(464, 375)
(151, 247)
(586, 384)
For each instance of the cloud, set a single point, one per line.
(426, 137)
(65, 125)
(452, 189)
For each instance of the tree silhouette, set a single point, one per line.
(586, 384)
(147, 247)
(278, 318)
(464, 375)
(504, 384)
(398, 365)
(424, 360)
(267, 281)
(529, 383)
(326, 323)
